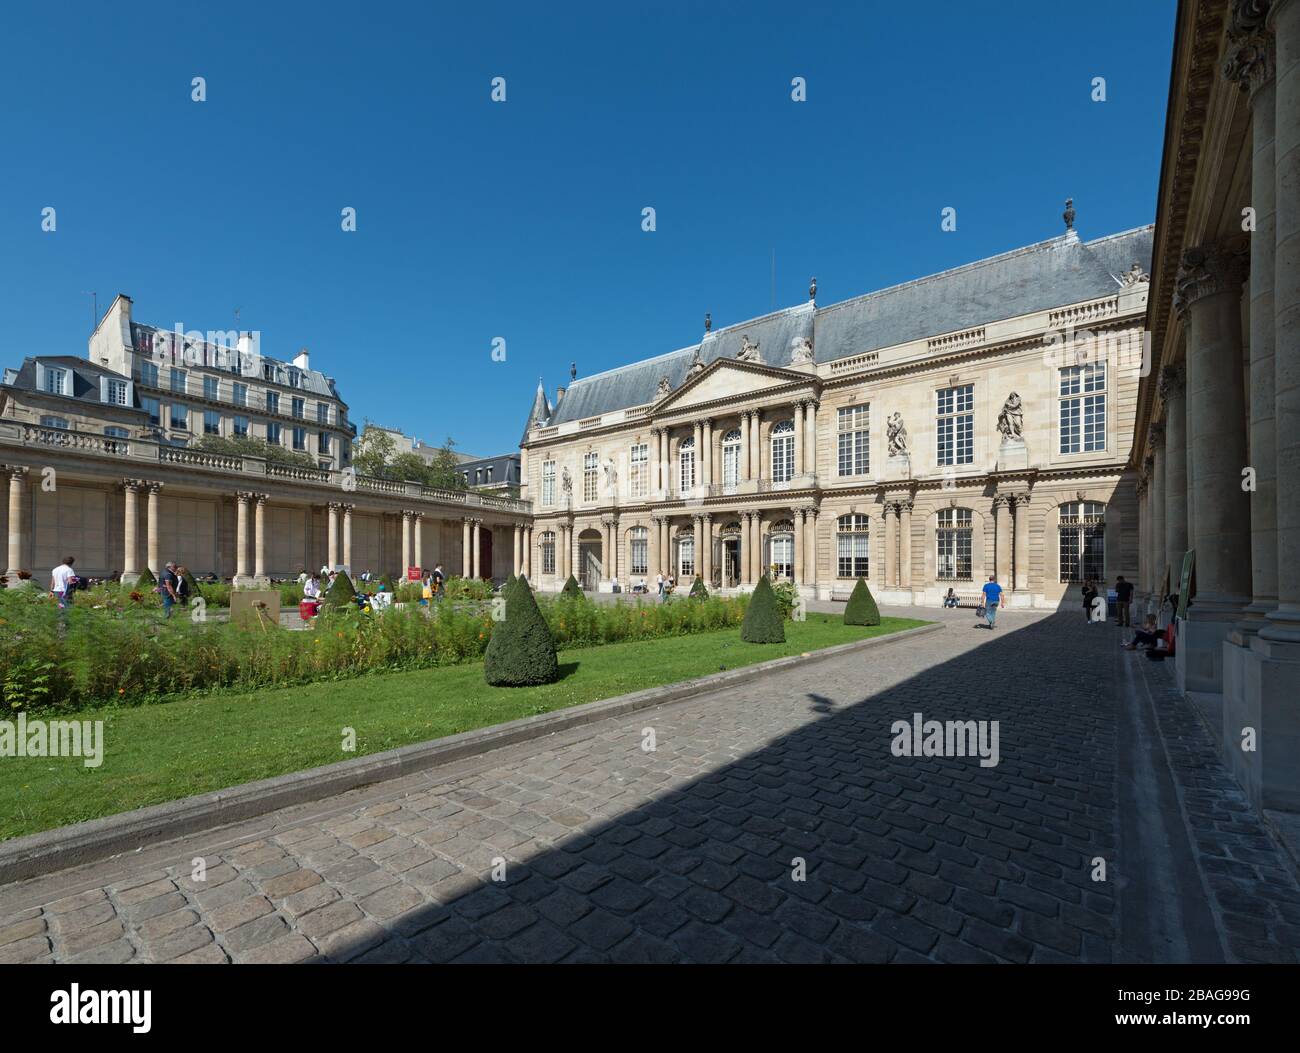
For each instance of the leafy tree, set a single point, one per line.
(861, 608)
(442, 471)
(408, 467)
(522, 649)
(373, 451)
(249, 446)
(763, 622)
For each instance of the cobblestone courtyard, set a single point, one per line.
(686, 854)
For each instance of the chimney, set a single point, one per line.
(300, 360)
(559, 394)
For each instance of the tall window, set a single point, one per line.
(548, 484)
(1083, 541)
(322, 413)
(210, 388)
(639, 550)
(239, 426)
(686, 460)
(731, 458)
(639, 470)
(590, 476)
(180, 417)
(956, 425)
(686, 556)
(272, 402)
(953, 545)
(178, 381)
(56, 381)
(151, 407)
(117, 392)
(300, 438)
(548, 550)
(852, 546)
(298, 407)
(1083, 408)
(149, 374)
(854, 427)
(239, 395)
(781, 549)
(783, 451)
(273, 433)
(211, 422)
(323, 442)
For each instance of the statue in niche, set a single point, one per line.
(1134, 276)
(748, 351)
(566, 482)
(1011, 421)
(664, 388)
(802, 351)
(897, 434)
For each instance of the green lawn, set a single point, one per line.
(168, 750)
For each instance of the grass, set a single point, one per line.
(193, 745)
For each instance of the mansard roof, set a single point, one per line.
(85, 377)
(1049, 274)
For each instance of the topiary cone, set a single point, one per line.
(146, 578)
(341, 591)
(698, 590)
(763, 622)
(861, 608)
(571, 587)
(522, 650)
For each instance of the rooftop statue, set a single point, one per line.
(1134, 275)
(748, 351)
(801, 351)
(664, 388)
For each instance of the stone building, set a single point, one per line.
(925, 436)
(1217, 439)
(98, 457)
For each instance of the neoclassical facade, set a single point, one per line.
(924, 437)
(1217, 440)
(97, 457)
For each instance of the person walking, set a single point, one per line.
(63, 582)
(167, 588)
(437, 581)
(992, 600)
(182, 586)
(1089, 594)
(1124, 600)
(659, 584)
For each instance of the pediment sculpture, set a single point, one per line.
(748, 351)
(897, 434)
(697, 364)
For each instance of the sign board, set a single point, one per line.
(1185, 581)
(254, 607)
(414, 573)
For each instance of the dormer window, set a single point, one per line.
(115, 392)
(56, 381)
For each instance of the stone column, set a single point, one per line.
(810, 546)
(152, 542)
(1156, 498)
(891, 545)
(417, 528)
(259, 538)
(478, 570)
(810, 438)
(652, 566)
(1020, 553)
(528, 552)
(466, 566)
(1171, 394)
(406, 542)
(745, 471)
(332, 535)
(798, 439)
(17, 483)
(1144, 549)
(1002, 529)
(706, 549)
(761, 456)
(760, 563)
(518, 564)
(131, 555)
(1284, 20)
(706, 452)
(1209, 299)
(241, 538)
(905, 545)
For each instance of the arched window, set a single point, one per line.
(953, 544)
(731, 457)
(852, 546)
(638, 539)
(1083, 541)
(548, 552)
(783, 451)
(686, 460)
(780, 549)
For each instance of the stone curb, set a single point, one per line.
(68, 846)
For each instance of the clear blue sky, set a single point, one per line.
(523, 220)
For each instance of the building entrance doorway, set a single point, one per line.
(589, 564)
(728, 572)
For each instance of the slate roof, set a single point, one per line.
(1049, 274)
(505, 468)
(85, 379)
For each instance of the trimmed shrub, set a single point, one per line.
(146, 580)
(340, 593)
(861, 608)
(522, 649)
(571, 588)
(763, 622)
(698, 591)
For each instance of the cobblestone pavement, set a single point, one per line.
(688, 853)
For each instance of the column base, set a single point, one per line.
(129, 577)
(243, 581)
(1261, 686)
(1199, 656)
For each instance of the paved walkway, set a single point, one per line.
(692, 852)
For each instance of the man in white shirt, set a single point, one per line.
(659, 584)
(63, 581)
(311, 590)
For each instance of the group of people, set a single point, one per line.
(173, 584)
(665, 585)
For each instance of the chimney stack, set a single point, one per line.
(301, 360)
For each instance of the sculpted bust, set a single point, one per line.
(897, 434)
(1011, 421)
(748, 351)
(802, 351)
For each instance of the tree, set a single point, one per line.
(443, 472)
(373, 451)
(698, 591)
(408, 467)
(522, 650)
(861, 608)
(249, 446)
(571, 588)
(763, 622)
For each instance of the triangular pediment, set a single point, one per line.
(726, 378)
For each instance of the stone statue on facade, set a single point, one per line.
(1011, 421)
(748, 351)
(801, 351)
(566, 482)
(697, 364)
(664, 388)
(1068, 214)
(611, 475)
(897, 434)
(1134, 276)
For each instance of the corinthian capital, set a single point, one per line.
(1172, 382)
(1249, 57)
(1208, 269)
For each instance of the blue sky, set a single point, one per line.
(522, 219)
